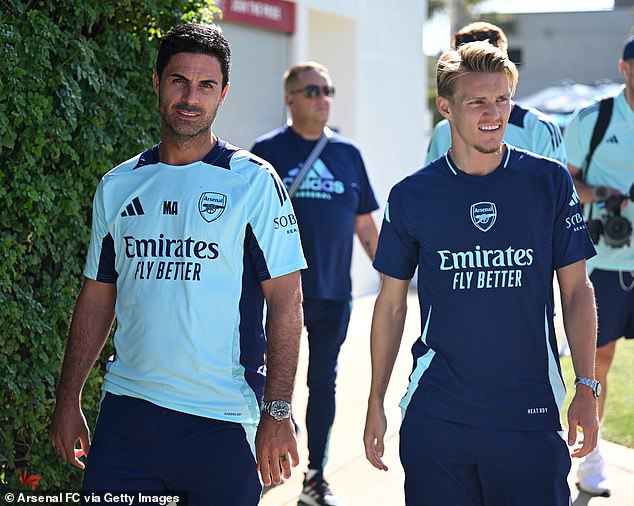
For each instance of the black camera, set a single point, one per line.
(615, 229)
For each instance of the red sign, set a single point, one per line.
(272, 14)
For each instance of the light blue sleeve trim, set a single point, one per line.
(422, 364)
(556, 383)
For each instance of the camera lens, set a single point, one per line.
(617, 231)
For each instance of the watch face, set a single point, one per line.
(280, 409)
(599, 389)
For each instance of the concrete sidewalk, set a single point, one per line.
(351, 476)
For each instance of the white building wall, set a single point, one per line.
(255, 103)
(373, 49)
(332, 41)
(580, 46)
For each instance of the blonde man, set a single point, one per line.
(486, 225)
(527, 128)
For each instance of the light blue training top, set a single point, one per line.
(188, 247)
(612, 165)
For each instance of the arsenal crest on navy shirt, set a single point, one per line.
(483, 215)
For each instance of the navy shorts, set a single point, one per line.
(615, 304)
(450, 463)
(143, 448)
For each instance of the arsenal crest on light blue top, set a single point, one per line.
(211, 205)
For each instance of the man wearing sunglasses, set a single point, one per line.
(527, 128)
(333, 202)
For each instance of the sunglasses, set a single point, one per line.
(314, 91)
(492, 37)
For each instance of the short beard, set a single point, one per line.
(185, 140)
(488, 151)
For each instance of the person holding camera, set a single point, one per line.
(603, 173)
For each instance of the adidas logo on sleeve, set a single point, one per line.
(134, 208)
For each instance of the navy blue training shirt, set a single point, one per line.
(486, 248)
(333, 193)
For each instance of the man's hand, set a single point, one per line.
(375, 428)
(69, 425)
(388, 321)
(583, 413)
(580, 324)
(275, 449)
(89, 328)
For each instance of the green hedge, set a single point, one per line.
(76, 99)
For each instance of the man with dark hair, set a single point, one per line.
(605, 184)
(184, 251)
(486, 225)
(333, 200)
(195, 38)
(527, 128)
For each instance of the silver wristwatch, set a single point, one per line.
(277, 409)
(594, 385)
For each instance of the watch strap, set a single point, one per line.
(277, 408)
(592, 384)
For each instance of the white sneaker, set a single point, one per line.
(592, 476)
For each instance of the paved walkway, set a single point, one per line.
(351, 477)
